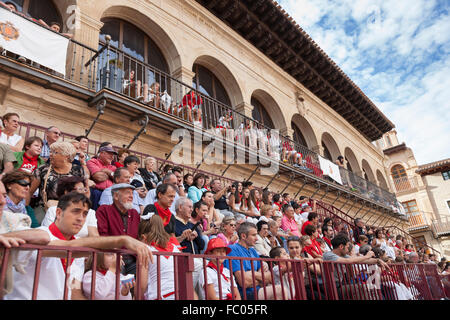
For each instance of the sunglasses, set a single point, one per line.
(23, 183)
(232, 225)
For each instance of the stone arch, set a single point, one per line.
(272, 108)
(157, 33)
(330, 145)
(224, 75)
(367, 170)
(66, 9)
(306, 129)
(352, 162)
(382, 180)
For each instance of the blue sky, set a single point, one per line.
(398, 53)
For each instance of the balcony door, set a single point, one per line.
(414, 215)
(400, 178)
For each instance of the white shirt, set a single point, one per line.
(51, 279)
(91, 221)
(105, 286)
(212, 278)
(12, 140)
(166, 272)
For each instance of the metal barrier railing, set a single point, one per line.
(182, 276)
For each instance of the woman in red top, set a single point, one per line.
(313, 219)
(121, 155)
(314, 248)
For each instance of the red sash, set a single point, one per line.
(165, 214)
(173, 242)
(57, 233)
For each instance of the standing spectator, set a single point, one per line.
(165, 197)
(48, 175)
(51, 136)
(8, 134)
(262, 244)
(191, 240)
(7, 159)
(102, 173)
(121, 175)
(148, 173)
(217, 247)
(29, 159)
(198, 187)
(288, 223)
(228, 231)
(67, 185)
(120, 218)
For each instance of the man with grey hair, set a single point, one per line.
(119, 218)
(171, 179)
(186, 236)
(51, 136)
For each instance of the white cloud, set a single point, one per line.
(397, 52)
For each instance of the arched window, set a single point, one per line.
(326, 152)
(208, 84)
(400, 178)
(138, 49)
(39, 9)
(298, 136)
(260, 114)
(398, 171)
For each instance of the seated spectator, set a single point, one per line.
(313, 219)
(267, 197)
(274, 234)
(166, 169)
(152, 95)
(313, 248)
(214, 216)
(207, 182)
(165, 198)
(131, 163)
(120, 218)
(80, 157)
(52, 135)
(102, 173)
(188, 180)
(148, 173)
(234, 196)
(220, 200)
(228, 231)
(192, 106)
(328, 234)
(360, 228)
(262, 244)
(297, 214)
(29, 159)
(8, 134)
(131, 87)
(121, 175)
(178, 172)
(217, 247)
(282, 272)
(17, 184)
(277, 202)
(244, 248)
(7, 159)
(70, 216)
(255, 198)
(151, 196)
(67, 185)
(362, 240)
(199, 215)
(152, 233)
(105, 279)
(84, 144)
(48, 175)
(288, 223)
(246, 208)
(266, 213)
(121, 155)
(190, 239)
(198, 187)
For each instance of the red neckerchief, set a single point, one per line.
(278, 205)
(213, 266)
(165, 214)
(328, 241)
(57, 233)
(102, 271)
(173, 242)
(257, 205)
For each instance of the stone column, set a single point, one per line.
(319, 150)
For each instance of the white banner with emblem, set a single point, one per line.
(32, 41)
(330, 169)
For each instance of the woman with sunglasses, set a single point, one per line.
(228, 231)
(67, 185)
(17, 184)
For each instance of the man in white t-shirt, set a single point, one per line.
(71, 214)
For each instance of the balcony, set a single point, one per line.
(405, 184)
(110, 74)
(441, 227)
(417, 221)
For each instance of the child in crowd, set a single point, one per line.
(215, 273)
(105, 280)
(282, 270)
